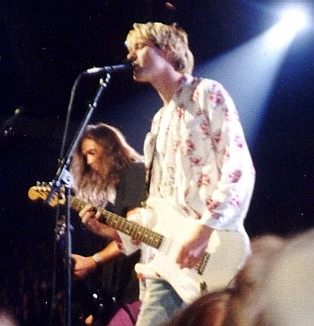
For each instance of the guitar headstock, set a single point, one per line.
(42, 191)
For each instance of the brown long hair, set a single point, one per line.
(93, 186)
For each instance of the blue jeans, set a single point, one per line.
(159, 303)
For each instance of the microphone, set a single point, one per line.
(125, 67)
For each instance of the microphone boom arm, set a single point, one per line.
(62, 177)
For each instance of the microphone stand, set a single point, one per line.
(63, 179)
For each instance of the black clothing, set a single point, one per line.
(115, 282)
(131, 190)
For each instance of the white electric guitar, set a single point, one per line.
(225, 254)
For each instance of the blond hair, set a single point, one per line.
(169, 38)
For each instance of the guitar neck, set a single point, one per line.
(134, 230)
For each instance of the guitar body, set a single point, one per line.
(163, 227)
(226, 254)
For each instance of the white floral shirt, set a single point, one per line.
(197, 156)
(197, 159)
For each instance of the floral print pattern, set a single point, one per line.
(197, 156)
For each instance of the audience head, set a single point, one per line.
(274, 288)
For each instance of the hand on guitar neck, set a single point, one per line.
(189, 255)
(89, 216)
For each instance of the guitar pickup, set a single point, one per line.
(202, 264)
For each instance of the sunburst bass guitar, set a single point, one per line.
(225, 254)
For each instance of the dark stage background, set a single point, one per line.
(44, 45)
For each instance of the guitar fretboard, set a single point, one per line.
(134, 230)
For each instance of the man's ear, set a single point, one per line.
(166, 54)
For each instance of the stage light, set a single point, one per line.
(294, 19)
(250, 70)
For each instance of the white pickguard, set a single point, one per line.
(227, 253)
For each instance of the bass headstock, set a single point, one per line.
(42, 191)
